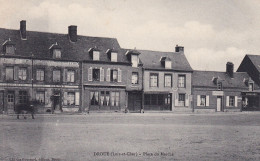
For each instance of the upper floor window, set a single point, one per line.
(167, 80)
(70, 76)
(9, 72)
(40, 75)
(134, 60)
(114, 56)
(96, 55)
(56, 53)
(134, 78)
(22, 74)
(168, 64)
(251, 86)
(114, 75)
(56, 75)
(219, 86)
(153, 80)
(96, 74)
(182, 81)
(9, 49)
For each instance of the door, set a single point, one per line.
(219, 103)
(10, 102)
(134, 101)
(2, 102)
(56, 102)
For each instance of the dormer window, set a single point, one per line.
(114, 56)
(95, 55)
(55, 51)
(134, 60)
(9, 47)
(251, 86)
(168, 64)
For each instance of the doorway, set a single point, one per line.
(56, 102)
(134, 101)
(2, 110)
(219, 104)
(10, 102)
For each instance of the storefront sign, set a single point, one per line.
(217, 93)
(15, 61)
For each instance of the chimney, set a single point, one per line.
(23, 29)
(73, 33)
(230, 69)
(179, 48)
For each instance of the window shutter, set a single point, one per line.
(90, 74)
(16, 70)
(198, 100)
(65, 98)
(47, 97)
(187, 100)
(108, 75)
(102, 74)
(235, 101)
(227, 101)
(207, 100)
(65, 75)
(119, 75)
(76, 98)
(176, 101)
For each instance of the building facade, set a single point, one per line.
(221, 91)
(167, 80)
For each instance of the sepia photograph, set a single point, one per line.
(129, 80)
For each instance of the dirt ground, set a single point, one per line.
(116, 136)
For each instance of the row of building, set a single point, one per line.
(69, 72)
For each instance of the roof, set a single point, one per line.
(151, 60)
(255, 59)
(39, 43)
(204, 78)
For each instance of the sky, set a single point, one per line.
(212, 32)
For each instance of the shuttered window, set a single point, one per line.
(9, 73)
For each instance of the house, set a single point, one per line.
(222, 91)
(166, 80)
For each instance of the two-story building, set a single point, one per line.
(222, 91)
(166, 80)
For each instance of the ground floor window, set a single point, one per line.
(10, 97)
(23, 97)
(71, 98)
(181, 100)
(105, 98)
(231, 101)
(203, 100)
(40, 96)
(157, 99)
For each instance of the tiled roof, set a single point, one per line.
(204, 78)
(151, 60)
(38, 43)
(255, 59)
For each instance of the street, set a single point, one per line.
(118, 136)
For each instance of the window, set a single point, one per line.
(95, 55)
(10, 97)
(94, 98)
(114, 57)
(23, 98)
(181, 99)
(114, 98)
(157, 99)
(153, 80)
(182, 81)
(22, 74)
(251, 86)
(96, 74)
(40, 96)
(231, 101)
(56, 76)
(167, 80)
(104, 98)
(10, 49)
(114, 75)
(134, 60)
(219, 86)
(134, 78)
(56, 53)
(9, 73)
(70, 76)
(168, 64)
(40, 75)
(71, 98)
(202, 100)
